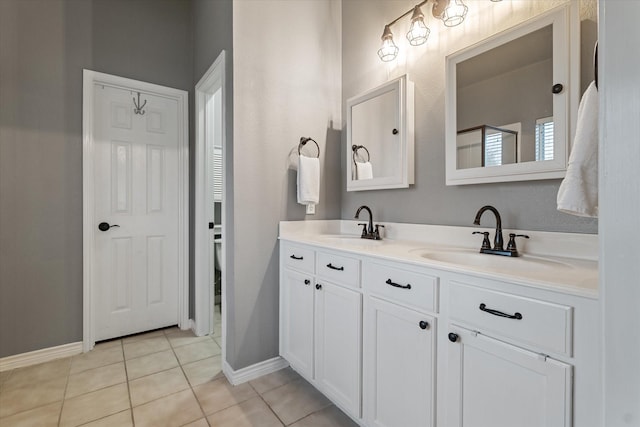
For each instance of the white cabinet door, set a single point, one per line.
(296, 321)
(494, 384)
(338, 348)
(398, 366)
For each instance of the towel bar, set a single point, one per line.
(304, 140)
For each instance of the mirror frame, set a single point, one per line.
(566, 64)
(405, 120)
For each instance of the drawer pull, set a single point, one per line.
(299, 258)
(453, 337)
(396, 285)
(483, 307)
(307, 281)
(318, 286)
(333, 267)
(423, 324)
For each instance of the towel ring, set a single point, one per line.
(304, 140)
(355, 149)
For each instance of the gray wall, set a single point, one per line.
(524, 205)
(44, 45)
(286, 85)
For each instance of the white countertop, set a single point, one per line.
(562, 262)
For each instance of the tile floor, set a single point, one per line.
(162, 378)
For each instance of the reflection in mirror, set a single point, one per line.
(380, 137)
(374, 122)
(511, 101)
(509, 84)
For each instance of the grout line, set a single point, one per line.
(126, 374)
(64, 393)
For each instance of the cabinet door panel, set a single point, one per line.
(492, 383)
(297, 321)
(398, 366)
(338, 348)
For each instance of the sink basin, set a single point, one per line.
(350, 240)
(466, 257)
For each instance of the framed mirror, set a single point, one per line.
(511, 101)
(380, 137)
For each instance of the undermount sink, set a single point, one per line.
(469, 257)
(350, 240)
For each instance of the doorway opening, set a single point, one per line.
(210, 193)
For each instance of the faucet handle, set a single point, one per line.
(511, 246)
(377, 231)
(486, 244)
(364, 228)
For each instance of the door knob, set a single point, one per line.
(104, 226)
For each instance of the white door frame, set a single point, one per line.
(212, 80)
(90, 78)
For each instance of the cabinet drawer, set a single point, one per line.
(542, 325)
(407, 287)
(299, 257)
(339, 269)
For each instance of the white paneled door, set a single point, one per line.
(136, 211)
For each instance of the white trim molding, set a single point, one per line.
(254, 371)
(40, 356)
(90, 78)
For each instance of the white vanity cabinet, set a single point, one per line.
(321, 321)
(399, 346)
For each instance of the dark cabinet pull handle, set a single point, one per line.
(299, 258)
(307, 281)
(396, 285)
(334, 267)
(318, 286)
(104, 226)
(483, 307)
(557, 88)
(453, 337)
(423, 324)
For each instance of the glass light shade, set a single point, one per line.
(418, 31)
(454, 13)
(389, 50)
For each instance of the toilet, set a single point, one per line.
(217, 243)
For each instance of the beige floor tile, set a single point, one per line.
(295, 400)
(146, 346)
(150, 364)
(95, 379)
(4, 375)
(179, 338)
(200, 423)
(19, 399)
(219, 394)
(157, 385)
(95, 405)
(121, 419)
(198, 351)
(108, 344)
(33, 375)
(96, 358)
(143, 336)
(273, 380)
(327, 417)
(170, 411)
(251, 413)
(203, 370)
(171, 330)
(44, 416)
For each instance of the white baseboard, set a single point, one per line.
(40, 356)
(254, 371)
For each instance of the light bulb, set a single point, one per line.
(418, 31)
(389, 50)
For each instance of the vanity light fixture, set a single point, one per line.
(450, 12)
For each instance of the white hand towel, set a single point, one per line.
(578, 193)
(308, 180)
(364, 170)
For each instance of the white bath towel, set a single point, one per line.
(308, 180)
(364, 170)
(578, 193)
